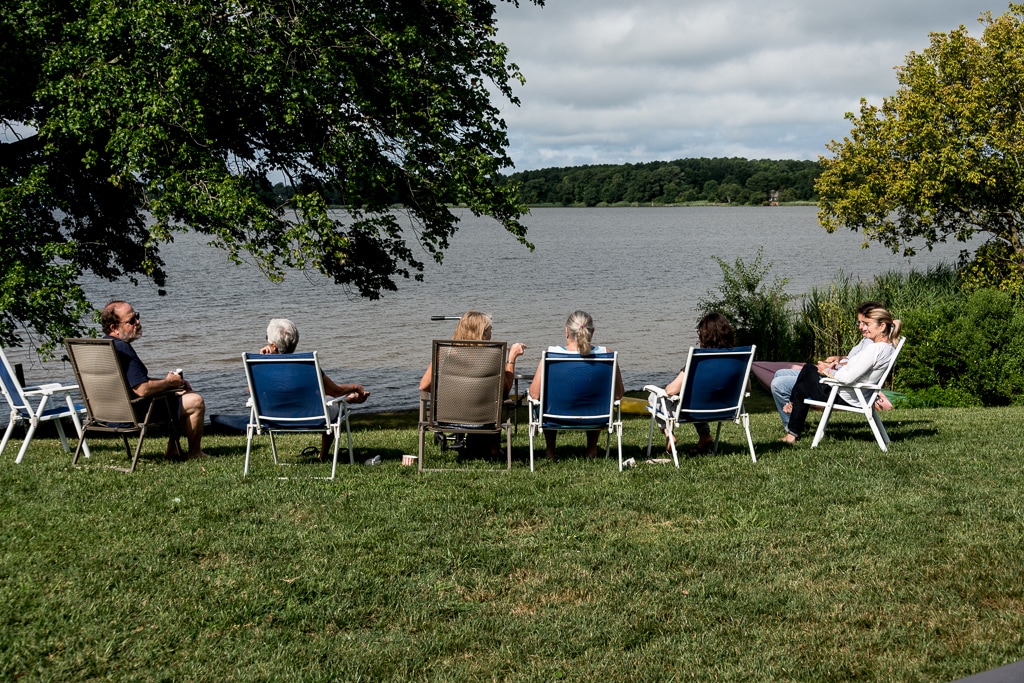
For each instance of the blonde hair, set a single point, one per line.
(580, 328)
(472, 326)
(893, 327)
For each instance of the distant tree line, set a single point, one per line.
(717, 181)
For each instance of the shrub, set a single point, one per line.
(937, 397)
(975, 348)
(828, 317)
(759, 312)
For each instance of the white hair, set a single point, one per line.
(283, 334)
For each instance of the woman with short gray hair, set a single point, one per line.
(283, 337)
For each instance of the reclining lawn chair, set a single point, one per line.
(577, 393)
(866, 396)
(287, 396)
(111, 405)
(23, 411)
(467, 388)
(717, 381)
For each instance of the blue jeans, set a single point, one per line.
(782, 389)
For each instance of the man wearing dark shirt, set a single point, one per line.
(122, 324)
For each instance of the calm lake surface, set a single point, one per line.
(638, 271)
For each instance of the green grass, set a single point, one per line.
(838, 563)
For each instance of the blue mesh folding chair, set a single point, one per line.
(287, 396)
(716, 382)
(33, 406)
(577, 393)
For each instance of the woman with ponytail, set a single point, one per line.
(865, 363)
(579, 334)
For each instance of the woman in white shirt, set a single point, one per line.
(865, 363)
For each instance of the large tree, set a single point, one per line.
(124, 122)
(944, 157)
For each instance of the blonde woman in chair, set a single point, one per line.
(476, 326)
(866, 362)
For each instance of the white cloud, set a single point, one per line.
(609, 82)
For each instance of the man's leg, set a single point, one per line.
(782, 390)
(193, 413)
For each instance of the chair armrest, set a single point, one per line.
(49, 389)
(152, 397)
(335, 399)
(657, 391)
(833, 382)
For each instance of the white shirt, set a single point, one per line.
(866, 363)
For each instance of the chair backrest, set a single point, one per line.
(716, 384)
(892, 362)
(577, 392)
(467, 383)
(287, 390)
(12, 388)
(101, 380)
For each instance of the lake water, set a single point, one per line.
(638, 271)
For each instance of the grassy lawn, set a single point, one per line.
(830, 564)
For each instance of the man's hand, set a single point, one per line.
(176, 382)
(357, 394)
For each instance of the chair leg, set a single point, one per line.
(248, 448)
(419, 459)
(823, 422)
(62, 435)
(138, 450)
(508, 443)
(650, 435)
(29, 433)
(750, 442)
(79, 449)
(78, 425)
(532, 432)
(273, 447)
(881, 436)
(7, 434)
(348, 435)
(670, 428)
(618, 436)
(337, 442)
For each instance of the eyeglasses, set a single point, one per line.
(134, 320)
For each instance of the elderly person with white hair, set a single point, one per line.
(283, 337)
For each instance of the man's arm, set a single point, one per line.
(173, 382)
(353, 393)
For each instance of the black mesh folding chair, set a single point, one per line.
(111, 405)
(466, 392)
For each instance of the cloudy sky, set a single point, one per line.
(613, 81)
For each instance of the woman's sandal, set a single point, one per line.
(310, 452)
